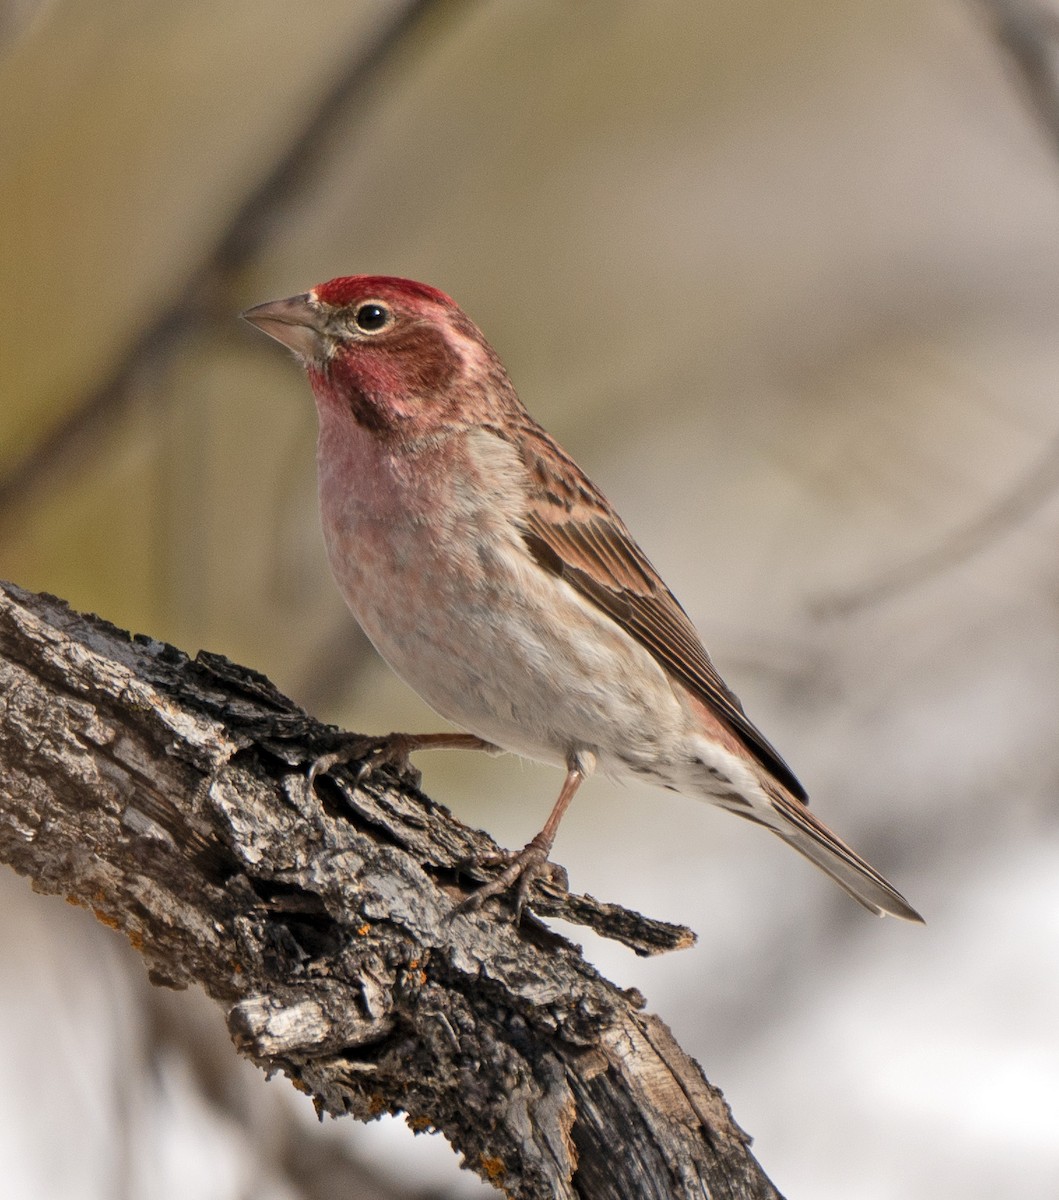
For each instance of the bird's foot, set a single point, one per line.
(392, 750)
(370, 754)
(521, 869)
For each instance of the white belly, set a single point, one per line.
(506, 651)
(439, 578)
(458, 608)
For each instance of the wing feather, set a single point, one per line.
(571, 529)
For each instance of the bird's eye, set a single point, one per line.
(372, 317)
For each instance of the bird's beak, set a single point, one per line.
(295, 322)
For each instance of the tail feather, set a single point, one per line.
(812, 838)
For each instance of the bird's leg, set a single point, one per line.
(392, 749)
(524, 866)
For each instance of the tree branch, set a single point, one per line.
(1028, 33)
(169, 796)
(256, 217)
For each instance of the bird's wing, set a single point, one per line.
(571, 530)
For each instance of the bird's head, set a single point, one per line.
(400, 356)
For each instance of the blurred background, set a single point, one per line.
(783, 277)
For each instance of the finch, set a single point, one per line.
(497, 580)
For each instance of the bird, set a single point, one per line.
(498, 581)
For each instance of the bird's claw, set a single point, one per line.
(370, 755)
(522, 868)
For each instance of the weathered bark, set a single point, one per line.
(169, 796)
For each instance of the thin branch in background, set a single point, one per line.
(1033, 490)
(1028, 33)
(249, 228)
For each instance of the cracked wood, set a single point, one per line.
(169, 796)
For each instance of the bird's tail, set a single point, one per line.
(793, 822)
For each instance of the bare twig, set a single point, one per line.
(169, 796)
(1028, 33)
(207, 284)
(1035, 488)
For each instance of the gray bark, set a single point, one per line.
(169, 796)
